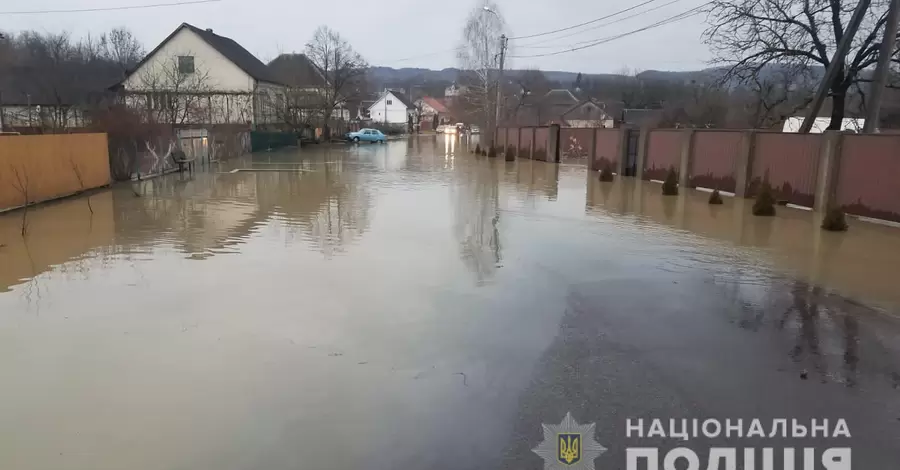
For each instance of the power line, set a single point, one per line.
(132, 7)
(429, 54)
(585, 23)
(681, 16)
(601, 25)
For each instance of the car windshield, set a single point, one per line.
(578, 235)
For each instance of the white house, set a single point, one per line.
(393, 108)
(195, 76)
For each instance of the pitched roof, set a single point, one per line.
(401, 97)
(436, 104)
(581, 111)
(296, 70)
(27, 84)
(228, 47)
(559, 97)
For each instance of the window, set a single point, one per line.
(185, 64)
(389, 102)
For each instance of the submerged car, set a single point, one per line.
(366, 135)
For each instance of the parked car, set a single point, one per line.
(366, 135)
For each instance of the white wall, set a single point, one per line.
(604, 123)
(395, 112)
(223, 74)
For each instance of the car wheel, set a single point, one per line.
(356, 140)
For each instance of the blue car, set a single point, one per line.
(366, 135)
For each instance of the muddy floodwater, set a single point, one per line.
(410, 305)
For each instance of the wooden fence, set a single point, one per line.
(36, 168)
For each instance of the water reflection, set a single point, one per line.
(477, 218)
(776, 274)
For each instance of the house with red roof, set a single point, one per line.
(433, 113)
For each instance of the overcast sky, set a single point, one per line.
(386, 31)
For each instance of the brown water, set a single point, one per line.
(327, 305)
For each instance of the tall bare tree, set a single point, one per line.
(769, 99)
(343, 68)
(479, 55)
(752, 36)
(176, 93)
(122, 48)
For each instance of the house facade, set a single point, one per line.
(196, 77)
(592, 113)
(432, 113)
(393, 108)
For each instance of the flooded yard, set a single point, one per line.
(412, 305)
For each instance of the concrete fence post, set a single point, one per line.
(743, 169)
(641, 159)
(687, 158)
(829, 169)
(553, 144)
(531, 141)
(622, 151)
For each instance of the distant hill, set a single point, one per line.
(433, 81)
(392, 76)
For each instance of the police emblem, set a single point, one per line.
(569, 445)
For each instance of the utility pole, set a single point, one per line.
(837, 64)
(503, 41)
(882, 70)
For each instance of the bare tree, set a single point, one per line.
(61, 76)
(479, 54)
(21, 184)
(77, 171)
(176, 92)
(342, 68)
(296, 108)
(769, 99)
(752, 36)
(122, 48)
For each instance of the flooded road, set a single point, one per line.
(411, 305)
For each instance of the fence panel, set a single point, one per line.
(790, 162)
(575, 142)
(260, 140)
(44, 167)
(541, 135)
(512, 142)
(869, 175)
(606, 148)
(526, 134)
(714, 157)
(501, 138)
(663, 152)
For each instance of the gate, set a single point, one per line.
(194, 143)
